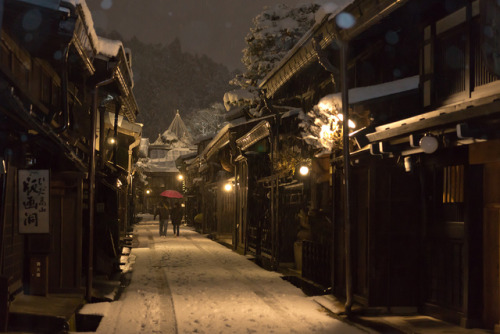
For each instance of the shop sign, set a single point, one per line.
(33, 201)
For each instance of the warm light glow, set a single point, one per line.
(325, 106)
(304, 170)
(228, 187)
(148, 192)
(183, 205)
(350, 123)
(180, 177)
(119, 183)
(326, 132)
(112, 140)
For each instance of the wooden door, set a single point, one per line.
(445, 247)
(491, 245)
(65, 261)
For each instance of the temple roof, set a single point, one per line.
(179, 129)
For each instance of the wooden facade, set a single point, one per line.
(417, 219)
(55, 108)
(421, 233)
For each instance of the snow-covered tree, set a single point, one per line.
(276, 30)
(206, 122)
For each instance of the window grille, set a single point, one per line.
(453, 184)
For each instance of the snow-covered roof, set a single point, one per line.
(322, 16)
(158, 166)
(238, 96)
(124, 126)
(108, 47)
(178, 129)
(366, 93)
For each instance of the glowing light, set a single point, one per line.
(112, 140)
(304, 170)
(326, 132)
(148, 192)
(325, 106)
(228, 187)
(180, 177)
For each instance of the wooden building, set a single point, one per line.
(418, 215)
(67, 143)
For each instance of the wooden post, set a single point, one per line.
(347, 172)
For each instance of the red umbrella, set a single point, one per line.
(171, 194)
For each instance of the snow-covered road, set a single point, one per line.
(191, 284)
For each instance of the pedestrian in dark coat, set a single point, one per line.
(176, 217)
(163, 213)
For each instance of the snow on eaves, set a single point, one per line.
(328, 9)
(366, 93)
(109, 47)
(237, 97)
(104, 46)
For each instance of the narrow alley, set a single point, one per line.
(191, 284)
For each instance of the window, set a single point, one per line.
(453, 184)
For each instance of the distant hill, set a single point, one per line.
(167, 79)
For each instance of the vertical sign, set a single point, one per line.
(34, 201)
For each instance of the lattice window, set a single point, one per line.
(453, 184)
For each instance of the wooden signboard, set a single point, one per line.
(33, 201)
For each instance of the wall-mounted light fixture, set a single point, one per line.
(408, 164)
(112, 141)
(429, 144)
(304, 170)
(3, 168)
(228, 186)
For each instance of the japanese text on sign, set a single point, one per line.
(33, 201)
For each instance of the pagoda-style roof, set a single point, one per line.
(179, 129)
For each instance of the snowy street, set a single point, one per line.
(191, 284)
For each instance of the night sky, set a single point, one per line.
(216, 28)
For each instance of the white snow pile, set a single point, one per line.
(109, 47)
(104, 46)
(361, 94)
(326, 9)
(239, 97)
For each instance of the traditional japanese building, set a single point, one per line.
(68, 138)
(159, 167)
(413, 209)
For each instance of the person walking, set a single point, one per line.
(163, 212)
(176, 217)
